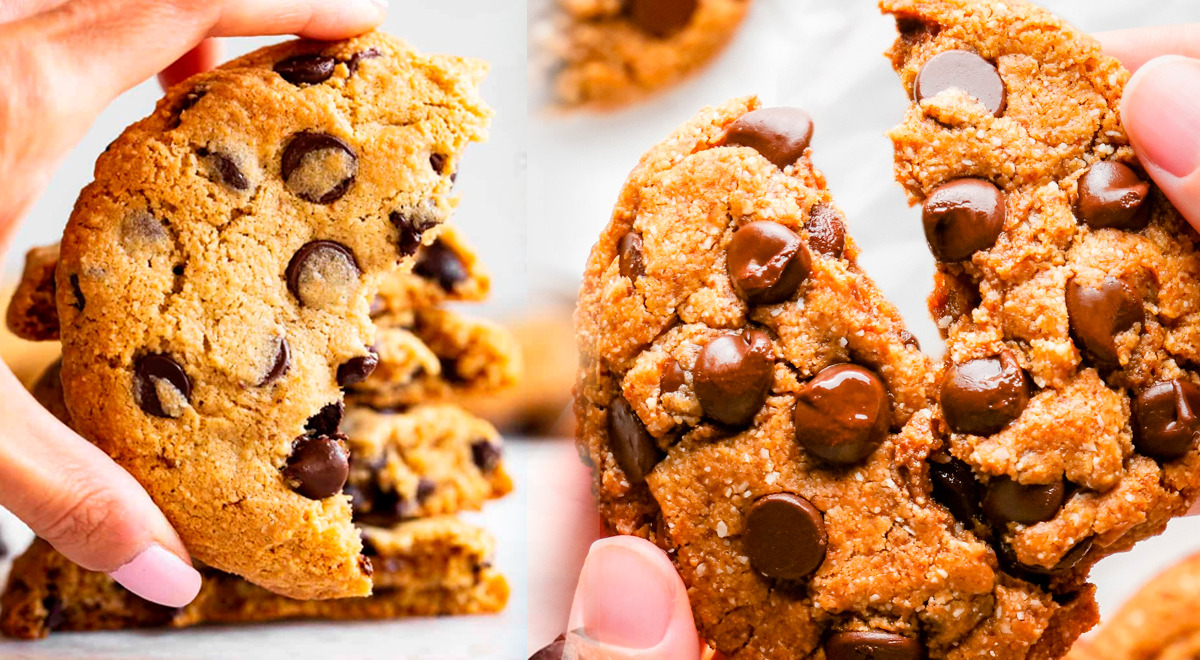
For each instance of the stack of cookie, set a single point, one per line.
(416, 459)
(213, 293)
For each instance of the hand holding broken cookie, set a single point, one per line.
(64, 62)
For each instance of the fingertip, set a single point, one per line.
(204, 57)
(160, 576)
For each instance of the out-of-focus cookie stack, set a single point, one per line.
(417, 460)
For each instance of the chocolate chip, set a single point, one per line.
(441, 263)
(826, 229)
(733, 375)
(357, 58)
(552, 651)
(486, 454)
(187, 102)
(80, 302)
(912, 29)
(449, 370)
(873, 645)
(1068, 562)
(966, 71)
(311, 69)
(981, 397)
(160, 386)
(661, 18)
(426, 488)
(323, 274)
(438, 163)
(785, 536)
(1166, 424)
(910, 340)
(842, 414)
(956, 488)
(223, 169)
(673, 376)
(630, 264)
(318, 466)
(318, 167)
(281, 363)
(767, 262)
(55, 612)
(1111, 195)
(357, 369)
(1099, 313)
(327, 421)
(412, 225)
(963, 217)
(1009, 501)
(365, 565)
(781, 135)
(632, 445)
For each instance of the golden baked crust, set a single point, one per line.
(261, 203)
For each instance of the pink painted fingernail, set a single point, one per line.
(628, 597)
(1161, 114)
(159, 576)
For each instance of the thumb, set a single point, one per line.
(1163, 121)
(92, 511)
(630, 605)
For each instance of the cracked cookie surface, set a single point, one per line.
(215, 284)
(749, 402)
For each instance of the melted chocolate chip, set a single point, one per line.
(160, 386)
(767, 262)
(910, 340)
(632, 445)
(311, 69)
(441, 263)
(963, 217)
(1111, 195)
(981, 397)
(661, 18)
(187, 102)
(357, 58)
(785, 536)
(357, 369)
(327, 421)
(281, 364)
(55, 612)
(733, 376)
(318, 466)
(966, 71)
(318, 167)
(412, 225)
(673, 376)
(826, 229)
(438, 163)
(80, 302)
(486, 454)
(873, 645)
(956, 488)
(1166, 422)
(1008, 501)
(1099, 313)
(842, 414)
(365, 565)
(781, 135)
(323, 274)
(427, 487)
(224, 170)
(629, 250)
(1029, 572)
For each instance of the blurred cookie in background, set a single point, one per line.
(602, 54)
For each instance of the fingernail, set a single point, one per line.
(1162, 116)
(629, 596)
(159, 576)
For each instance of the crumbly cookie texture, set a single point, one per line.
(445, 270)
(1068, 289)
(215, 284)
(31, 313)
(608, 53)
(432, 567)
(433, 459)
(1158, 623)
(750, 402)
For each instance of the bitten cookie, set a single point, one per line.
(749, 402)
(215, 284)
(607, 53)
(433, 567)
(1068, 290)
(432, 459)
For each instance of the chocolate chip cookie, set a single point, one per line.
(31, 312)
(432, 567)
(1067, 290)
(750, 403)
(215, 283)
(433, 459)
(608, 53)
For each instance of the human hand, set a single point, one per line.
(62, 62)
